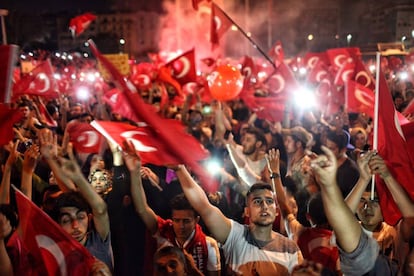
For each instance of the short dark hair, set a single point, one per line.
(180, 202)
(258, 186)
(70, 199)
(339, 138)
(8, 211)
(168, 251)
(258, 133)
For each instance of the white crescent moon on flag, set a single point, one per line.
(277, 49)
(281, 82)
(217, 22)
(46, 80)
(144, 79)
(363, 74)
(339, 60)
(247, 71)
(90, 137)
(190, 87)
(346, 75)
(321, 75)
(51, 246)
(186, 67)
(312, 62)
(364, 98)
(139, 146)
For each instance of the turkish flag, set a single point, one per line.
(359, 98)
(49, 243)
(409, 110)
(40, 82)
(318, 72)
(311, 59)
(8, 117)
(151, 149)
(345, 72)
(282, 81)
(183, 67)
(392, 146)
(220, 23)
(338, 57)
(78, 24)
(277, 53)
(46, 116)
(8, 59)
(166, 132)
(363, 76)
(85, 138)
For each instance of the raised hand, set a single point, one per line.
(377, 166)
(362, 161)
(131, 158)
(273, 158)
(48, 143)
(31, 156)
(325, 167)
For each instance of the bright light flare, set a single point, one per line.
(302, 71)
(90, 77)
(403, 75)
(83, 93)
(213, 166)
(57, 76)
(372, 68)
(305, 99)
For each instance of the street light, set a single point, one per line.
(348, 39)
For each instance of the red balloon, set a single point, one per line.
(225, 82)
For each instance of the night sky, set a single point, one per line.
(42, 6)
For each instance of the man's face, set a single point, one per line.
(360, 140)
(99, 182)
(261, 208)
(369, 212)
(25, 110)
(169, 265)
(75, 223)
(184, 223)
(249, 144)
(290, 145)
(333, 147)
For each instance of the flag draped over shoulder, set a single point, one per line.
(8, 117)
(8, 58)
(393, 148)
(166, 133)
(47, 241)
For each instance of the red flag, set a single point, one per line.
(393, 148)
(40, 81)
(164, 130)
(46, 116)
(151, 149)
(338, 57)
(209, 61)
(318, 72)
(8, 117)
(277, 53)
(220, 23)
(409, 110)
(47, 241)
(84, 138)
(282, 81)
(311, 59)
(345, 72)
(8, 58)
(359, 98)
(183, 67)
(363, 76)
(78, 24)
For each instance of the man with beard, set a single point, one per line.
(252, 249)
(249, 157)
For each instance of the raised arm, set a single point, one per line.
(70, 169)
(340, 217)
(5, 181)
(218, 224)
(6, 268)
(353, 198)
(29, 164)
(133, 163)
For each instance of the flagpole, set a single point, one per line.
(248, 37)
(376, 108)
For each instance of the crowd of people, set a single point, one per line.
(291, 200)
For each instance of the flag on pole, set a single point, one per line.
(49, 243)
(220, 23)
(392, 147)
(183, 67)
(80, 23)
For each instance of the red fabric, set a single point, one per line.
(315, 246)
(8, 58)
(167, 133)
(311, 59)
(409, 110)
(345, 73)
(196, 3)
(359, 98)
(338, 57)
(393, 148)
(277, 53)
(151, 149)
(40, 81)
(363, 76)
(220, 23)
(48, 118)
(84, 137)
(8, 117)
(79, 23)
(196, 245)
(183, 67)
(49, 243)
(248, 69)
(318, 72)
